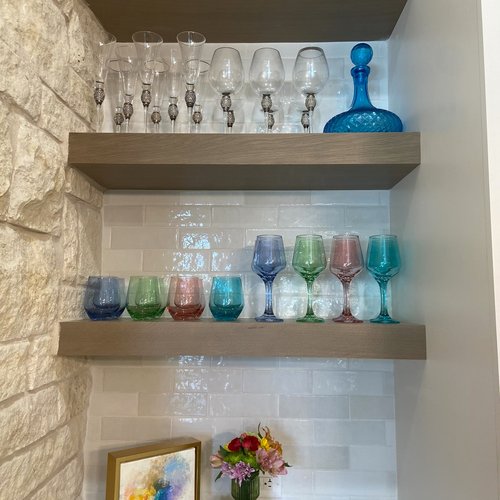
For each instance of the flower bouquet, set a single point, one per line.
(244, 457)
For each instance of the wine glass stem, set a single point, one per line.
(311, 121)
(99, 118)
(383, 298)
(309, 284)
(346, 311)
(145, 119)
(157, 128)
(172, 123)
(266, 117)
(269, 297)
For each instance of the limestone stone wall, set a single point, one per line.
(50, 227)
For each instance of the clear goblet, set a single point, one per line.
(309, 260)
(174, 81)
(346, 262)
(103, 54)
(268, 260)
(310, 74)
(127, 57)
(158, 90)
(114, 88)
(226, 75)
(146, 45)
(266, 76)
(191, 44)
(383, 262)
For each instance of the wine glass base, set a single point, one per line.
(268, 318)
(347, 319)
(384, 319)
(310, 319)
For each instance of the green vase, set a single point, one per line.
(249, 489)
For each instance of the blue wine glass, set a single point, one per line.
(104, 297)
(268, 260)
(383, 262)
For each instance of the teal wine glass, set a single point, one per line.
(383, 262)
(309, 260)
(226, 298)
(268, 260)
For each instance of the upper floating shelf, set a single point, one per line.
(245, 161)
(258, 21)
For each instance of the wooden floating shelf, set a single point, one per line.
(253, 22)
(245, 161)
(165, 337)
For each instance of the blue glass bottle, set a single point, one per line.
(363, 116)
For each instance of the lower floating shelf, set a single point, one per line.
(165, 337)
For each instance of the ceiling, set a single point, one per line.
(252, 21)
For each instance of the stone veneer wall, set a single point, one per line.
(50, 240)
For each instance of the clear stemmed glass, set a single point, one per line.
(310, 74)
(190, 43)
(346, 262)
(146, 45)
(266, 76)
(158, 90)
(268, 260)
(201, 97)
(174, 81)
(127, 57)
(114, 88)
(309, 260)
(383, 262)
(226, 76)
(104, 53)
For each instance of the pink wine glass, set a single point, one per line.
(186, 300)
(346, 262)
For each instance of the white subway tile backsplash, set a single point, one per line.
(346, 197)
(273, 198)
(172, 261)
(373, 484)
(211, 198)
(118, 404)
(277, 381)
(313, 407)
(351, 382)
(311, 216)
(372, 407)
(123, 215)
(175, 404)
(234, 261)
(140, 198)
(382, 458)
(367, 217)
(138, 379)
(245, 216)
(298, 482)
(135, 428)
(121, 261)
(143, 237)
(243, 405)
(202, 239)
(205, 380)
(177, 216)
(348, 432)
(319, 457)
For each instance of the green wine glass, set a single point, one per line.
(309, 260)
(383, 262)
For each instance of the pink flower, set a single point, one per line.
(271, 462)
(240, 471)
(216, 461)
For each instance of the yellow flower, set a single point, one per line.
(264, 442)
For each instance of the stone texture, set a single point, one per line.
(65, 485)
(6, 163)
(78, 95)
(18, 81)
(36, 192)
(80, 187)
(69, 240)
(28, 271)
(71, 302)
(11, 357)
(26, 470)
(55, 116)
(44, 366)
(89, 241)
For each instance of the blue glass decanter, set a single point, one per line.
(363, 116)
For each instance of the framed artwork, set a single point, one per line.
(169, 470)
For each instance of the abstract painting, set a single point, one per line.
(163, 471)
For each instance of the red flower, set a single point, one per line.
(234, 445)
(251, 443)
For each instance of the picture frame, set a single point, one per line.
(146, 470)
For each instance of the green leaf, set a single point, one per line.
(219, 475)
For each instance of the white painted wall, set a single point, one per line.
(445, 407)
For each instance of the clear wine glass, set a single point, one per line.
(226, 75)
(104, 52)
(346, 262)
(310, 74)
(114, 88)
(127, 57)
(309, 260)
(146, 45)
(158, 90)
(190, 44)
(201, 95)
(268, 260)
(266, 76)
(383, 262)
